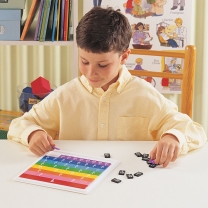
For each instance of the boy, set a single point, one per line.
(106, 102)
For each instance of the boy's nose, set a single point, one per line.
(92, 71)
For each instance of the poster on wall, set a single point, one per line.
(156, 25)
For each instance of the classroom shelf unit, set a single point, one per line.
(30, 42)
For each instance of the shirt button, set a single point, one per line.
(104, 98)
(102, 125)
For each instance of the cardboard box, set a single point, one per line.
(10, 24)
(12, 4)
(5, 119)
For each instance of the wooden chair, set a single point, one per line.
(187, 76)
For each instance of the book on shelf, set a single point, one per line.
(31, 15)
(39, 22)
(54, 21)
(48, 35)
(70, 21)
(58, 20)
(71, 36)
(62, 20)
(66, 19)
(46, 11)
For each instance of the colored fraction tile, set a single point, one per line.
(67, 171)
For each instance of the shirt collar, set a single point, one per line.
(123, 79)
(85, 82)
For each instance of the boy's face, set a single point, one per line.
(101, 70)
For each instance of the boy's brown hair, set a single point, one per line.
(103, 30)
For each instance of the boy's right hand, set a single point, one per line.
(40, 142)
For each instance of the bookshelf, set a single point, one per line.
(28, 41)
(30, 35)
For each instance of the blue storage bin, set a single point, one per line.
(10, 24)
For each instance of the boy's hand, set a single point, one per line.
(166, 150)
(40, 142)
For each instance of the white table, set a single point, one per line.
(183, 183)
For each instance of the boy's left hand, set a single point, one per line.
(166, 150)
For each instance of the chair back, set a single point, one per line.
(187, 76)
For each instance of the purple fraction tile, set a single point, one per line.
(115, 180)
(56, 148)
(152, 161)
(149, 162)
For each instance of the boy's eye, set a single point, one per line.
(85, 63)
(102, 66)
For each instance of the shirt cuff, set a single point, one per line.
(180, 136)
(26, 133)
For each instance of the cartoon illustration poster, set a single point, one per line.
(156, 25)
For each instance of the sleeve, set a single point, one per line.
(43, 116)
(190, 134)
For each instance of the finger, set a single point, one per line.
(37, 151)
(46, 146)
(158, 153)
(153, 153)
(176, 153)
(40, 146)
(164, 155)
(169, 156)
(50, 140)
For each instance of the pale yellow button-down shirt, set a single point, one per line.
(131, 109)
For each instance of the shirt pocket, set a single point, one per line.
(132, 128)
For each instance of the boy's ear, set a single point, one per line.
(125, 56)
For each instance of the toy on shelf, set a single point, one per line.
(28, 96)
(41, 87)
